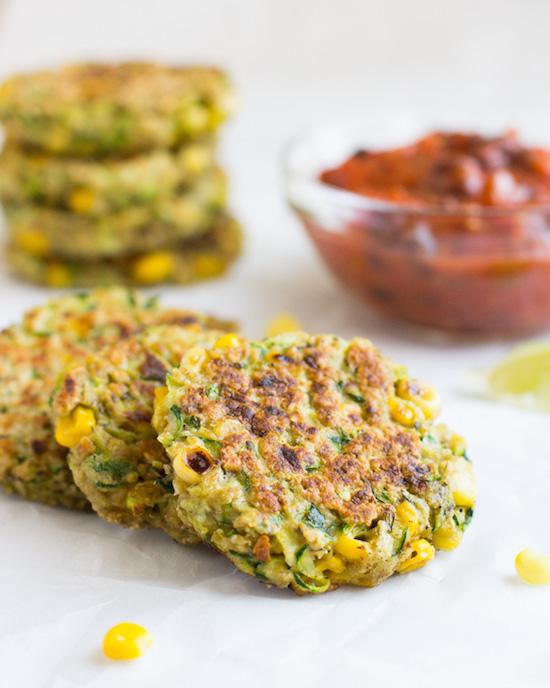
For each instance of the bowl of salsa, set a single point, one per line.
(450, 230)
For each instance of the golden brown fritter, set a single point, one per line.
(115, 457)
(207, 257)
(45, 232)
(311, 461)
(113, 109)
(93, 187)
(33, 354)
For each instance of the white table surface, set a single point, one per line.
(65, 578)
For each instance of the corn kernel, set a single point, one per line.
(126, 641)
(462, 481)
(160, 394)
(404, 412)
(33, 241)
(184, 473)
(447, 538)
(189, 212)
(457, 444)
(81, 201)
(182, 468)
(195, 159)
(216, 117)
(219, 197)
(426, 398)
(281, 324)
(6, 88)
(70, 429)
(153, 267)
(228, 341)
(79, 325)
(58, 275)
(196, 119)
(331, 563)
(350, 548)
(406, 513)
(429, 402)
(205, 266)
(193, 357)
(533, 568)
(421, 553)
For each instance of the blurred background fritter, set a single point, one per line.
(109, 174)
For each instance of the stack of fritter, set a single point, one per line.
(309, 461)
(109, 175)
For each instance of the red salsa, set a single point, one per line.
(457, 234)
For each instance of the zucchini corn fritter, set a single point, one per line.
(312, 462)
(97, 187)
(33, 354)
(103, 411)
(44, 231)
(102, 110)
(203, 258)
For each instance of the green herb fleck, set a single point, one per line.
(351, 393)
(402, 542)
(213, 391)
(151, 302)
(341, 439)
(315, 518)
(183, 421)
(226, 521)
(193, 422)
(245, 562)
(166, 484)
(310, 584)
(434, 478)
(382, 496)
(176, 412)
(262, 350)
(244, 479)
(107, 486)
(117, 469)
(356, 397)
(214, 446)
(300, 553)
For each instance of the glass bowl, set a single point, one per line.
(482, 270)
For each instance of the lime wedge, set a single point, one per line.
(524, 373)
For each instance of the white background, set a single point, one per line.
(465, 619)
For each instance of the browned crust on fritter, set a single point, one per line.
(381, 455)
